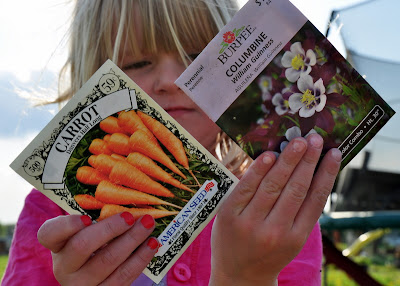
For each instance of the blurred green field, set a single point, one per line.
(3, 264)
(386, 275)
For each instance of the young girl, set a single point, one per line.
(265, 233)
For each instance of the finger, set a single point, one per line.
(115, 253)
(295, 191)
(246, 188)
(273, 183)
(55, 232)
(320, 189)
(81, 246)
(134, 266)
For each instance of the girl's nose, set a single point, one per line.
(169, 69)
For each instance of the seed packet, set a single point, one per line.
(270, 76)
(113, 149)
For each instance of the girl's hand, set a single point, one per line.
(268, 217)
(92, 254)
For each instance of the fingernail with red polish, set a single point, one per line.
(152, 243)
(128, 217)
(86, 220)
(147, 221)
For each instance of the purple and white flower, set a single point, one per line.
(311, 99)
(281, 104)
(298, 62)
(265, 84)
(294, 132)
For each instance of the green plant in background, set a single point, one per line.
(385, 274)
(336, 277)
(379, 266)
(3, 265)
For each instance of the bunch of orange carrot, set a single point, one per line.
(124, 167)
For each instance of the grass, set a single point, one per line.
(3, 264)
(379, 266)
(386, 275)
(336, 277)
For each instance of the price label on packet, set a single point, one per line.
(109, 83)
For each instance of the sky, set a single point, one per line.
(32, 37)
(33, 49)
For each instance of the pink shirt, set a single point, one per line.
(30, 263)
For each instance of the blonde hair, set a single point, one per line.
(104, 29)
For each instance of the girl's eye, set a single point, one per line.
(136, 65)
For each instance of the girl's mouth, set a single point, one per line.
(178, 111)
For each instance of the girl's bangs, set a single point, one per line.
(173, 26)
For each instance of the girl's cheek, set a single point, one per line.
(140, 79)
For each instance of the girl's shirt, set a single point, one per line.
(31, 263)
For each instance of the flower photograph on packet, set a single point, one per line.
(309, 87)
(277, 78)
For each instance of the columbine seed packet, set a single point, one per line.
(113, 149)
(270, 76)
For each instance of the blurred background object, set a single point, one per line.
(362, 218)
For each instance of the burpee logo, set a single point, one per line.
(233, 40)
(229, 37)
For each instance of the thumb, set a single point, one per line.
(55, 232)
